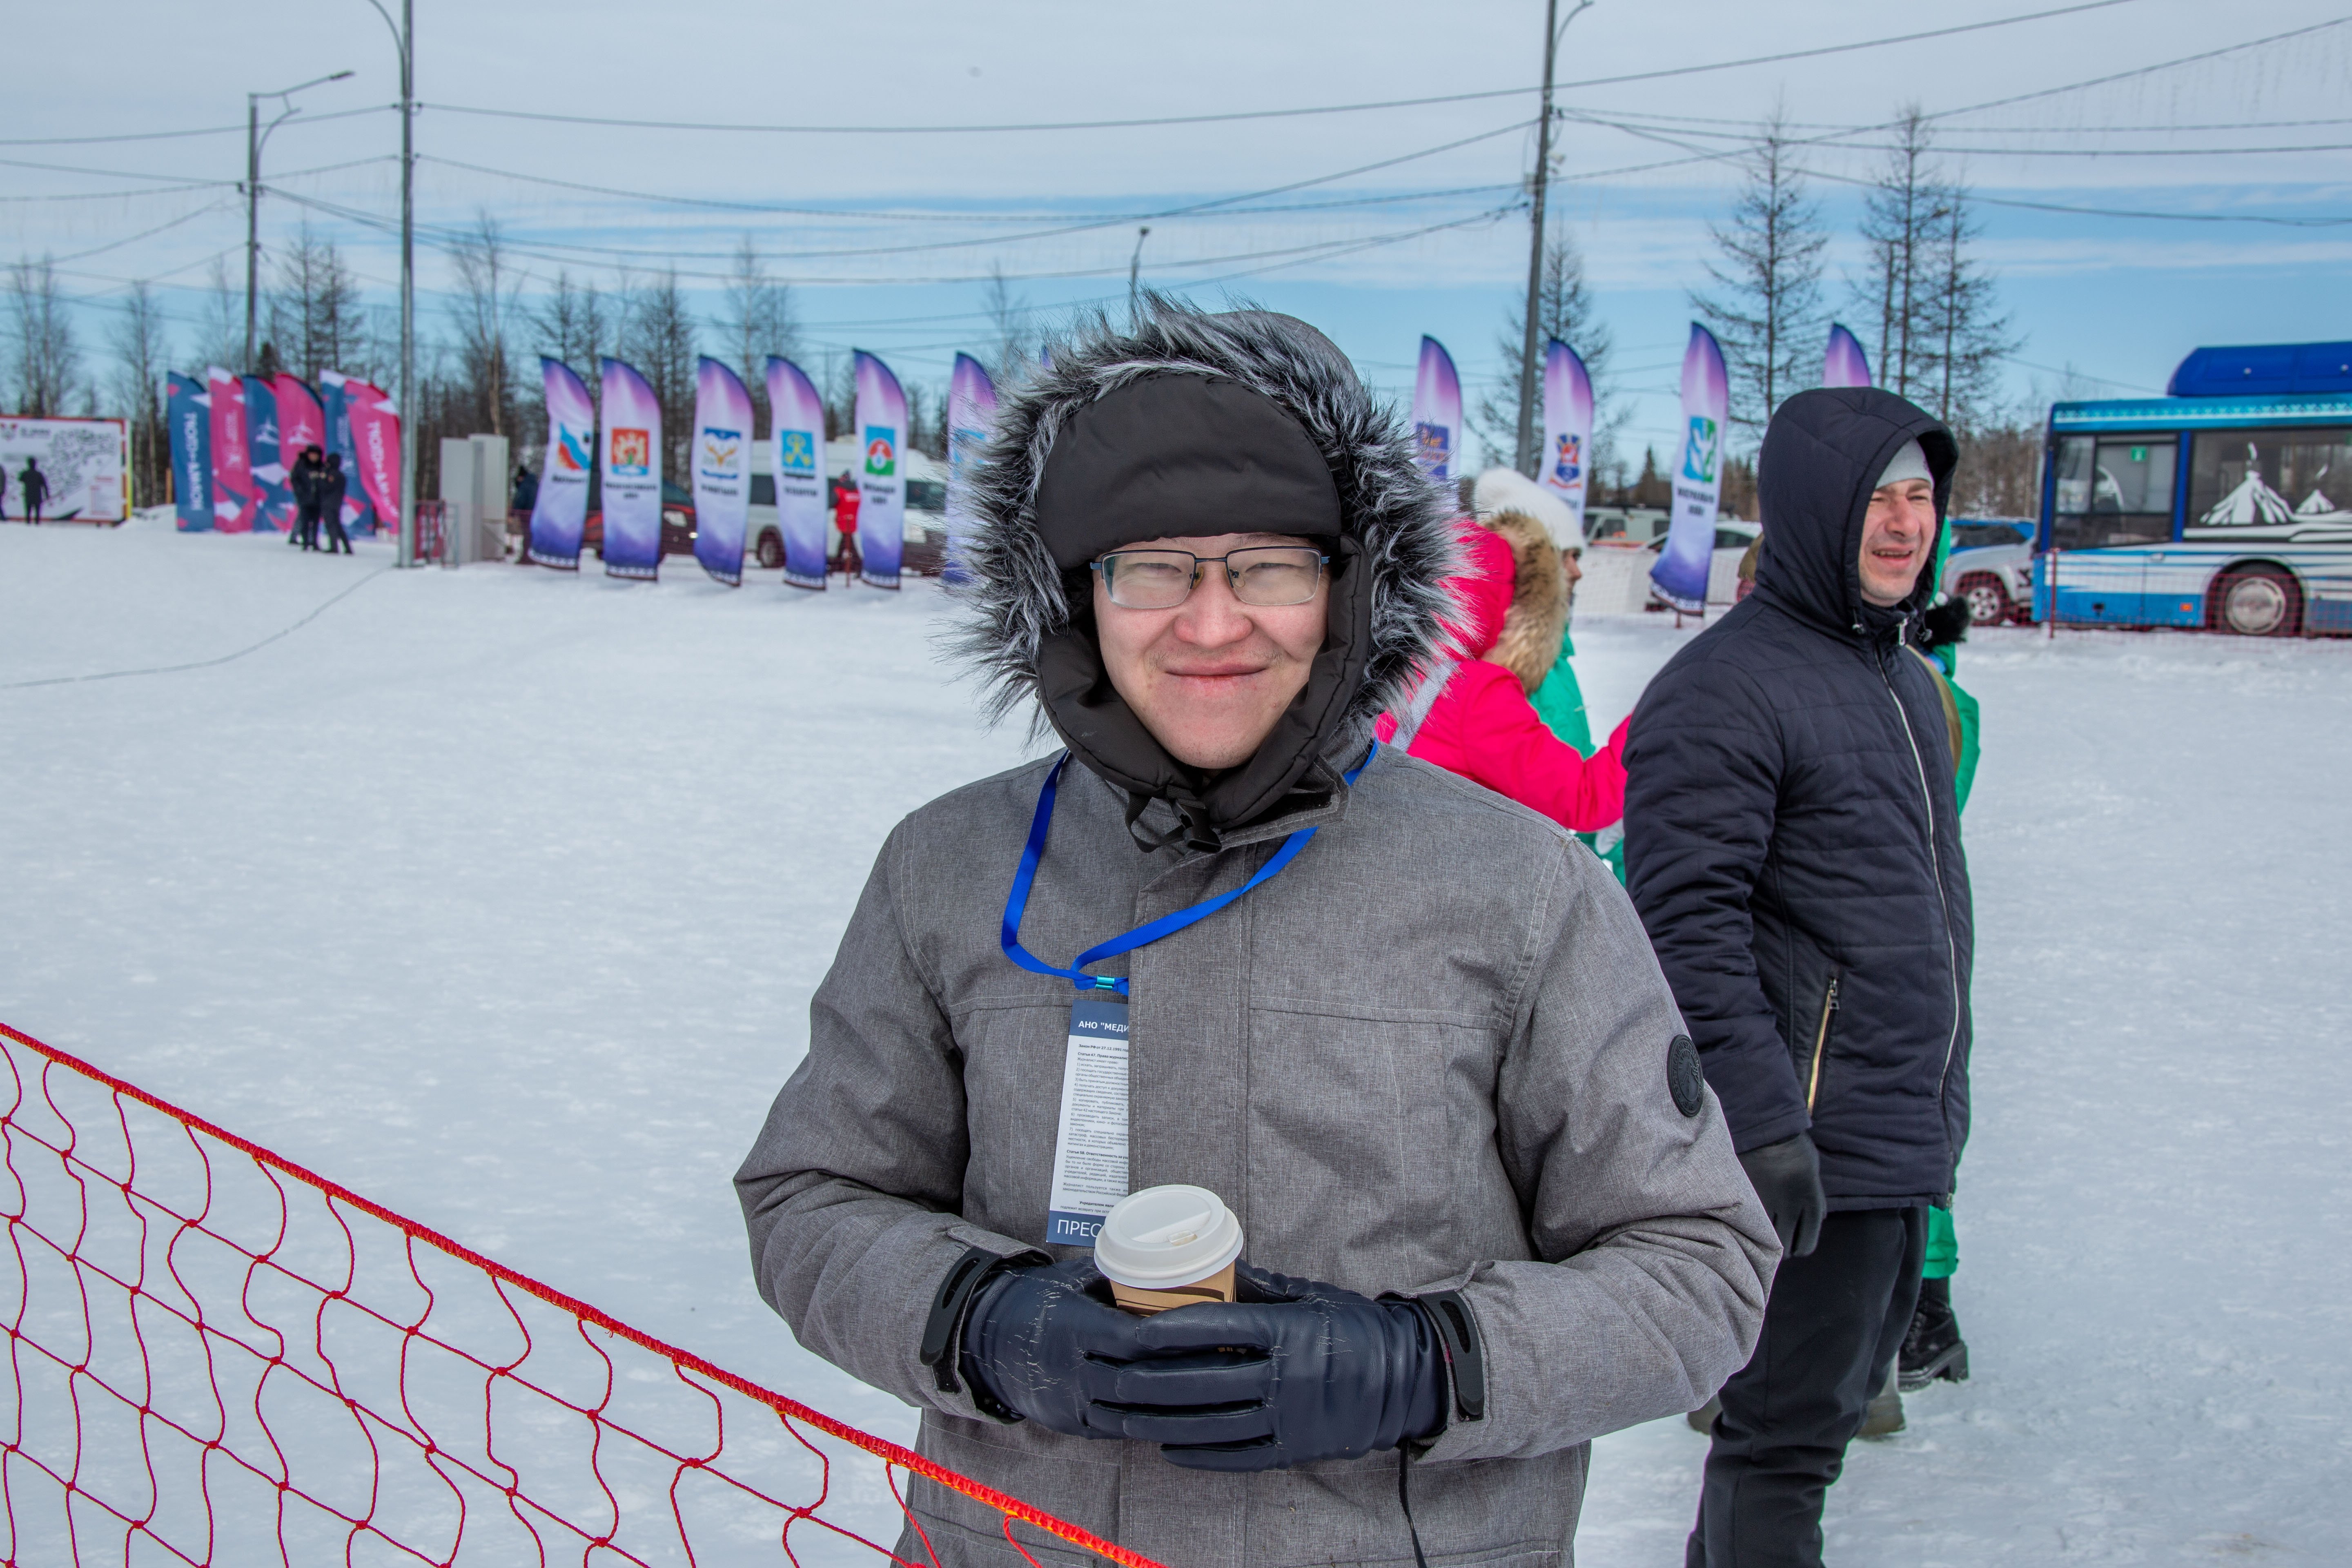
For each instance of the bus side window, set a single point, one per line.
(2114, 490)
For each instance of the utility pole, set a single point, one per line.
(403, 40)
(1134, 274)
(254, 137)
(1530, 366)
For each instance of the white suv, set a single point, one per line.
(1991, 567)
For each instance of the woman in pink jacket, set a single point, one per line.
(1473, 717)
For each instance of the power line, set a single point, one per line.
(208, 208)
(818, 130)
(169, 135)
(1089, 225)
(940, 215)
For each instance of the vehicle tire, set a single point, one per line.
(1987, 601)
(772, 552)
(2258, 602)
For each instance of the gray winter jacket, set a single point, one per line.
(1431, 1054)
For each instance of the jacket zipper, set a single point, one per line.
(1936, 865)
(1821, 1046)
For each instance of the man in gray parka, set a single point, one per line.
(1411, 1033)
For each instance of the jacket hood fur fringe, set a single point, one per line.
(1402, 521)
(1537, 618)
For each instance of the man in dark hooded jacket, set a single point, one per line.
(1409, 1032)
(1792, 844)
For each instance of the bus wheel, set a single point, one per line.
(1987, 600)
(2259, 601)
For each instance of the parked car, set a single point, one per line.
(1991, 567)
(677, 526)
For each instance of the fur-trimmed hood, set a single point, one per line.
(1514, 596)
(1027, 626)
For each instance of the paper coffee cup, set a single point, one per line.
(1169, 1246)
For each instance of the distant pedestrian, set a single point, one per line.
(304, 482)
(526, 492)
(845, 502)
(4, 495)
(35, 486)
(330, 487)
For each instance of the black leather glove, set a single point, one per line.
(1788, 1176)
(1041, 1344)
(1294, 1372)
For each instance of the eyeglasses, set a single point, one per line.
(1264, 575)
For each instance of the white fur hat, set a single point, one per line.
(1508, 490)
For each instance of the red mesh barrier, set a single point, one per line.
(217, 1357)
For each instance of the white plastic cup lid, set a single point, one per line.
(1165, 1236)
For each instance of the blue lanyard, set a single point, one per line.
(1017, 901)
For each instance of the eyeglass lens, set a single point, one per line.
(1264, 575)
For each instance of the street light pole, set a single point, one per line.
(403, 41)
(1525, 456)
(254, 137)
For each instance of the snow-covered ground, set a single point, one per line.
(499, 895)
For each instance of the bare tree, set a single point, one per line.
(1968, 339)
(220, 333)
(315, 316)
(142, 357)
(1766, 307)
(1905, 210)
(1563, 310)
(1013, 353)
(486, 307)
(44, 361)
(572, 327)
(658, 336)
(758, 320)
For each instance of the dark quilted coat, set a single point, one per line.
(1792, 837)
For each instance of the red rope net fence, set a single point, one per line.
(217, 1357)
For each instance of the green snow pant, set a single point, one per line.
(1559, 704)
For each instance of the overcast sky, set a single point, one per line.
(897, 228)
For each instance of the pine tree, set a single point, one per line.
(1765, 308)
(1906, 208)
(1563, 310)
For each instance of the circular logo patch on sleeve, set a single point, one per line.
(1683, 1079)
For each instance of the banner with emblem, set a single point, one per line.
(972, 411)
(722, 458)
(561, 513)
(1437, 412)
(1567, 431)
(374, 462)
(1681, 571)
(632, 474)
(881, 420)
(1842, 362)
(796, 455)
(188, 414)
(273, 510)
(233, 502)
(302, 421)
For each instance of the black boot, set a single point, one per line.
(1933, 1348)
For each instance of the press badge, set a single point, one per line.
(1090, 1155)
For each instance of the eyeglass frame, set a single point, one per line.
(1232, 578)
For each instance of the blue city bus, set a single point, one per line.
(2225, 504)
